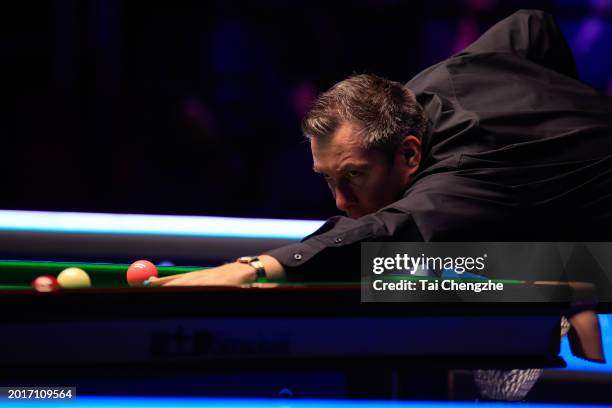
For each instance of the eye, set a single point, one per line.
(353, 173)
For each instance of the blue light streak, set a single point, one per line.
(165, 402)
(178, 225)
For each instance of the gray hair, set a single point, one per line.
(385, 110)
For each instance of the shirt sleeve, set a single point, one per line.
(333, 251)
(530, 34)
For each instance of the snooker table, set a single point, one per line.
(112, 330)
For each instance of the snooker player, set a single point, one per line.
(500, 142)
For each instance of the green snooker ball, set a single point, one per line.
(74, 278)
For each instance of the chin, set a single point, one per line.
(354, 214)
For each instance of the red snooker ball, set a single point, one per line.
(45, 283)
(139, 272)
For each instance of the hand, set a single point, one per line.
(231, 274)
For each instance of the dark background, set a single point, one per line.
(194, 107)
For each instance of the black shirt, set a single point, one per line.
(518, 150)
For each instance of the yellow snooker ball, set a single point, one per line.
(74, 278)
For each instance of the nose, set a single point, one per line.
(344, 198)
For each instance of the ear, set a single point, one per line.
(410, 149)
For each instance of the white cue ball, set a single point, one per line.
(74, 278)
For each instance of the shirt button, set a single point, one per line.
(338, 240)
(297, 257)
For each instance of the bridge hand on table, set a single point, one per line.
(229, 274)
(234, 273)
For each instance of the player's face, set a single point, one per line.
(362, 181)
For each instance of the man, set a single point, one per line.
(497, 143)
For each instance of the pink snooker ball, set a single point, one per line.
(139, 272)
(45, 283)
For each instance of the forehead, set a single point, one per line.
(343, 146)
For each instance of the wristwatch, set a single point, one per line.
(254, 261)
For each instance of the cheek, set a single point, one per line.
(384, 189)
(373, 195)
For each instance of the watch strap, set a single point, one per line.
(255, 263)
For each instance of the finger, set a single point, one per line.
(182, 281)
